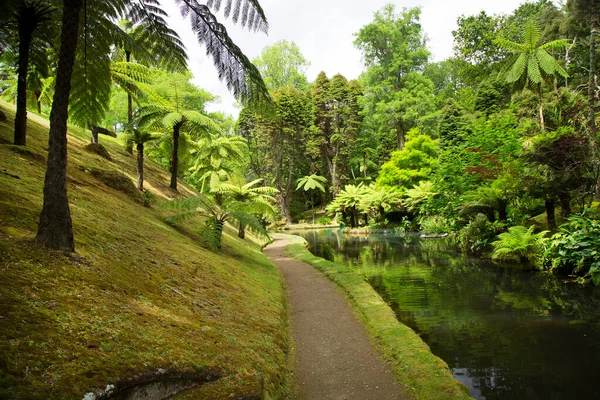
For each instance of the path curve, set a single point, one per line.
(334, 358)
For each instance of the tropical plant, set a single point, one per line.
(575, 249)
(140, 137)
(351, 199)
(381, 200)
(216, 158)
(492, 198)
(55, 228)
(28, 16)
(415, 197)
(215, 217)
(532, 60)
(519, 244)
(476, 238)
(310, 183)
(435, 224)
(252, 199)
(171, 116)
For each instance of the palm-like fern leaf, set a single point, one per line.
(233, 67)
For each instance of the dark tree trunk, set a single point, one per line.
(491, 215)
(502, 214)
(400, 135)
(366, 218)
(382, 214)
(592, 83)
(129, 145)
(219, 224)
(564, 199)
(175, 157)
(26, 28)
(354, 217)
(95, 134)
(550, 213)
(364, 164)
(140, 165)
(241, 231)
(55, 229)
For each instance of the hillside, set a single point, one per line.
(138, 294)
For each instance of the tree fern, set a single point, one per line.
(233, 67)
(519, 243)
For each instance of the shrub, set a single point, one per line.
(435, 224)
(324, 221)
(476, 238)
(575, 249)
(519, 244)
(148, 199)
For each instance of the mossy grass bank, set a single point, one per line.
(424, 374)
(138, 295)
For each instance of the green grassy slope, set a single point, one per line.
(137, 295)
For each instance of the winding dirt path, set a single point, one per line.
(334, 358)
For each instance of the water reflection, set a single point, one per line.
(504, 332)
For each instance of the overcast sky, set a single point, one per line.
(324, 30)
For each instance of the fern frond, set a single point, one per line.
(233, 67)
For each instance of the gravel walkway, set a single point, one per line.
(334, 358)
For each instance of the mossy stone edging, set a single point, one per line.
(424, 374)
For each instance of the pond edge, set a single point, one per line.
(416, 367)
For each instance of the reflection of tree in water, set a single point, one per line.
(511, 334)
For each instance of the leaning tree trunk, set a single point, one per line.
(175, 156)
(26, 28)
(241, 231)
(140, 165)
(550, 213)
(55, 229)
(129, 145)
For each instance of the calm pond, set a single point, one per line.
(505, 333)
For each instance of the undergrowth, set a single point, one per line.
(138, 295)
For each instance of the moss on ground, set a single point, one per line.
(138, 294)
(425, 374)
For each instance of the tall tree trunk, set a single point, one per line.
(38, 101)
(140, 165)
(312, 203)
(129, 145)
(541, 106)
(382, 214)
(364, 164)
(550, 213)
(354, 220)
(175, 157)
(592, 84)
(241, 231)
(284, 205)
(55, 229)
(26, 28)
(400, 135)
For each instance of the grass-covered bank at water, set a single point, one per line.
(426, 375)
(138, 294)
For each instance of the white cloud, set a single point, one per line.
(324, 31)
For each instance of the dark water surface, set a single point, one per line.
(504, 332)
